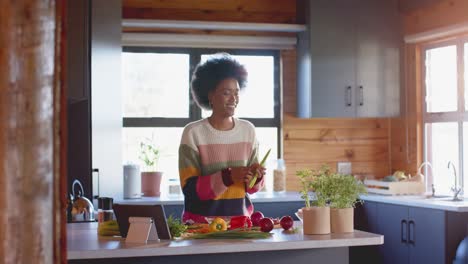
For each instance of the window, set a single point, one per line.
(445, 114)
(157, 102)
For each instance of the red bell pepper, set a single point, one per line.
(241, 221)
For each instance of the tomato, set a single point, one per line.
(286, 222)
(266, 224)
(256, 217)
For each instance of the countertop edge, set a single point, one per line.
(216, 248)
(416, 201)
(94, 249)
(179, 200)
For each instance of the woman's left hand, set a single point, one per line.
(258, 169)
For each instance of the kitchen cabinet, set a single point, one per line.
(365, 218)
(411, 234)
(354, 50)
(93, 60)
(78, 95)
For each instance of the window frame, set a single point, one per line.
(459, 116)
(194, 111)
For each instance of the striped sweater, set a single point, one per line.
(203, 153)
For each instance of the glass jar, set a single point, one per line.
(279, 177)
(105, 212)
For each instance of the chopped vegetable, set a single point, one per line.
(198, 228)
(175, 226)
(218, 224)
(232, 234)
(254, 179)
(241, 221)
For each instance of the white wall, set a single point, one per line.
(106, 95)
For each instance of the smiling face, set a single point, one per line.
(225, 97)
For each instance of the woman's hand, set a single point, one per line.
(259, 169)
(241, 174)
(245, 174)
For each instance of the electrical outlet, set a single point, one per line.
(344, 167)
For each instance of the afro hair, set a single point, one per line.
(209, 74)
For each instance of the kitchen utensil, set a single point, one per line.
(82, 210)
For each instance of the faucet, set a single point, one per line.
(427, 163)
(455, 189)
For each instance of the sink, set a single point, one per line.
(430, 197)
(445, 198)
(438, 197)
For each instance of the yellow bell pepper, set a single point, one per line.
(218, 224)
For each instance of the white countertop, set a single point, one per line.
(84, 243)
(260, 197)
(444, 203)
(265, 197)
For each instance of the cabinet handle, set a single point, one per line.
(361, 95)
(348, 98)
(411, 232)
(403, 231)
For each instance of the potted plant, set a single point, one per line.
(344, 196)
(150, 176)
(316, 213)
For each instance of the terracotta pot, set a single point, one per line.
(150, 183)
(342, 220)
(316, 220)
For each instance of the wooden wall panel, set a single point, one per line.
(441, 14)
(406, 133)
(288, 77)
(267, 6)
(261, 11)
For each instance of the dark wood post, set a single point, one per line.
(31, 92)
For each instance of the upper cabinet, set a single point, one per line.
(353, 48)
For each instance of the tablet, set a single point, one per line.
(156, 211)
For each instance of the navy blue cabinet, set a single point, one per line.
(365, 219)
(392, 222)
(412, 235)
(426, 235)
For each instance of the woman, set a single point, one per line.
(218, 154)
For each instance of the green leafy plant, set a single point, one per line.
(345, 191)
(329, 188)
(320, 185)
(149, 154)
(175, 226)
(305, 177)
(316, 184)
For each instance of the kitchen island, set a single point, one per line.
(85, 246)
